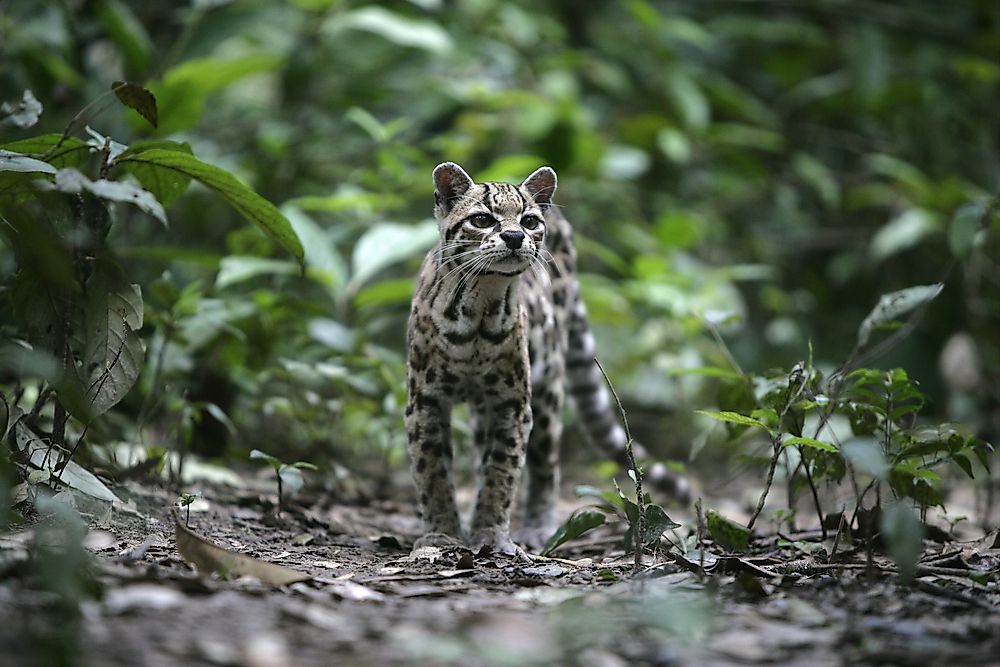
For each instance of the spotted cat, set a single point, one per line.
(497, 322)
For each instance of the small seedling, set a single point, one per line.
(287, 474)
(185, 500)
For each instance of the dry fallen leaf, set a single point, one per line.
(207, 558)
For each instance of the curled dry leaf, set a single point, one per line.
(136, 97)
(206, 558)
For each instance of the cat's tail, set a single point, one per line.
(597, 412)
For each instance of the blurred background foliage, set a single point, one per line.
(757, 170)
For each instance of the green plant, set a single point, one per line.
(862, 423)
(287, 475)
(185, 500)
(77, 315)
(646, 521)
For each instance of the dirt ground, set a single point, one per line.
(366, 600)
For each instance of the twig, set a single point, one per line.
(776, 440)
(40, 402)
(815, 493)
(639, 534)
(701, 546)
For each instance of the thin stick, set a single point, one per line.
(815, 493)
(776, 443)
(639, 534)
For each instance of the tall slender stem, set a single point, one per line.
(639, 530)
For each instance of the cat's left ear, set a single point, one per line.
(541, 185)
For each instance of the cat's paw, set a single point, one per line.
(439, 540)
(499, 541)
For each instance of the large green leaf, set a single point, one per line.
(40, 455)
(728, 534)
(113, 353)
(578, 524)
(182, 92)
(393, 27)
(166, 185)
(386, 244)
(250, 205)
(656, 523)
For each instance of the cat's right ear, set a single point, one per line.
(450, 183)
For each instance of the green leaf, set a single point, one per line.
(42, 456)
(248, 203)
(182, 92)
(274, 461)
(113, 351)
(612, 498)
(385, 293)
(728, 534)
(394, 28)
(234, 269)
(71, 153)
(904, 536)
(578, 523)
(11, 161)
(325, 265)
(125, 29)
(291, 479)
(166, 185)
(964, 463)
(965, 229)
(388, 243)
(657, 522)
(811, 442)
(892, 305)
(903, 232)
(733, 418)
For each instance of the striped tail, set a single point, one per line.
(595, 410)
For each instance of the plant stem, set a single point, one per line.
(280, 502)
(639, 530)
(776, 442)
(815, 494)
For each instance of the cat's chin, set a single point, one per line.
(511, 264)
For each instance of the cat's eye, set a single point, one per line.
(530, 222)
(482, 220)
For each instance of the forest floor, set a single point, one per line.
(365, 599)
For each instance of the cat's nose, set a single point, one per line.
(513, 238)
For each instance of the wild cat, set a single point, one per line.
(497, 322)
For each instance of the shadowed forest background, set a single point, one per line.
(768, 167)
(745, 179)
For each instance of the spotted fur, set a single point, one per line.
(497, 322)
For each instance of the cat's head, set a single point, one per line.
(499, 226)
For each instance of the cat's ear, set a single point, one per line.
(541, 185)
(450, 183)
